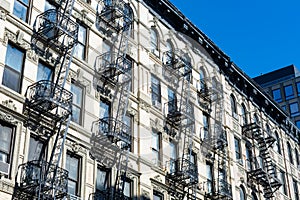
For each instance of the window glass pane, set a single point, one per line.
(79, 51)
(153, 40)
(44, 72)
(35, 149)
(298, 88)
(289, 93)
(77, 94)
(127, 189)
(71, 187)
(298, 124)
(104, 110)
(82, 34)
(14, 58)
(294, 109)
(237, 148)
(101, 181)
(20, 10)
(11, 79)
(5, 138)
(72, 166)
(277, 95)
(155, 141)
(76, 112)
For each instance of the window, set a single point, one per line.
(128, 188)
(154, 42)
(294, 109)
(249, 156)
(157, 195)
(21, 9)
(288, 91)
(283, 107)
(14, 62)
(187, 68)
(102, 180)
(297, 157)
(80, 49)
(73, 166)
(156, 93)
(6, 137)
(172, 101)
(128, 67)
(283, 182)
(296, 191)
(205, 127)
(77, 103)
(107, 54)
(290, 152)
(44, 72)
(35, 149)
(244, 115)
(173, 157)
(169, 52)
(104, 109)
(237, 146)
(209, 176)
(233, 106)
(201, 80)
(129, 18)
(277, 143)
(277, 95)
(128, 120)
(298, 88)
(242, 193)
(156, 146)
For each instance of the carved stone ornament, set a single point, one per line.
(158, 189)
(75, 147)
(78, 77)
(3, 14)
(8, 118)
(144, 105)
(145, 193)
(9, 104)
(157, 125)
(158, 178)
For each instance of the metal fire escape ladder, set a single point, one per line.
(182, 176)
(214, 144)
(262, 170)
(48, 105)
(113, 71)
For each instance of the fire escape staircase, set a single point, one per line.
(111, 136)
(262, 170)
(48, 106)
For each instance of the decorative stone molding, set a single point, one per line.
(75, 147)
(158, 189)
(9, 104)
(78, 77)
(145, 194)
(158, 178)
(8, 118)
(144, 105)
(31, 55)
(157, 125)
(6, 187)
(3, 14)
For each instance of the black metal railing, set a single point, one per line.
(114, 129)
(33, 179)
(44, 96)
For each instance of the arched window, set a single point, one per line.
(244, 115)
(129, 18)
(277, 143)
(154, 41)
(188, 67)
(233, 106)
(169, 52)
(290, 152)
(256, 119)
(201, 79)
(297, 157)
(242, 193)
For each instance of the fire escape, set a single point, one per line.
(214, 142)
(261, 169)
(111, 136)
(182, 175)
(48, 106)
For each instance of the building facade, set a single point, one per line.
(185, 122)
(284, 86)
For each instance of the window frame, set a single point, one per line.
(78, 181)
(109, 104)
(155, 92)
(276, 92)
(45, 65)
(9, 153)
(81, 106)
(283, 181)
(296, 189)
(294, 113)
(233, 106)
(83, 43)
(107, 178)
(154, 41)
(238, 150)
(28, 10)
(158, 194)
(289, 94)
(242, 193)
(12, 68)
(290, 153)
(157, 152)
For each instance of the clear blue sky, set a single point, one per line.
(258, 35)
